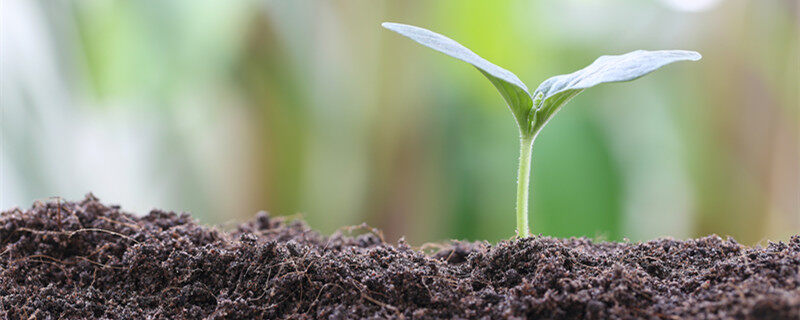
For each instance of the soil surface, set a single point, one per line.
(87, 260)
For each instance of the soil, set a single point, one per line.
(79, 260)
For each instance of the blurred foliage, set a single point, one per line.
(226, 108)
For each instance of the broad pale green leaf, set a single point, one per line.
(558, 90)
(511, 88)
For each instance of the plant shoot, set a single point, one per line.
(533, 111)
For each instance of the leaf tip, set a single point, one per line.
(689, 55)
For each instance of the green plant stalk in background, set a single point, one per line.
(533, 112)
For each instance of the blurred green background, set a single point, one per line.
(224, 108)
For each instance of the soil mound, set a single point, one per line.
(79, 260)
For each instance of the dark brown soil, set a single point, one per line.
(87, 260)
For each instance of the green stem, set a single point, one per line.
(523, 185)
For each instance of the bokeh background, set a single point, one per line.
(224, 108)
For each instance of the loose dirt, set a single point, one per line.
(79, 260)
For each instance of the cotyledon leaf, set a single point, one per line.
(557, 91)
(511, 88)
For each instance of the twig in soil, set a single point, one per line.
(268, 277)
(305, 271)
(361, 288)
(41, 256)
(246, 271)
(62, 262)
(130, 225)
(450, 255)
(72, 233)
(101, 248)
(363, 226)
(216, 299)
(94, 278)
(381, 304)
(129, 219)
(430, 294)
(442, 278)
(318, 295)
(433, 246)
(98, 263)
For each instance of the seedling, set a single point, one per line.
(532, 112)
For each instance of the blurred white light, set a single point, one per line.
(691, 5)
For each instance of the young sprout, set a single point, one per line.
(532, 112)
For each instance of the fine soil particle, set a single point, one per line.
(88, 260)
